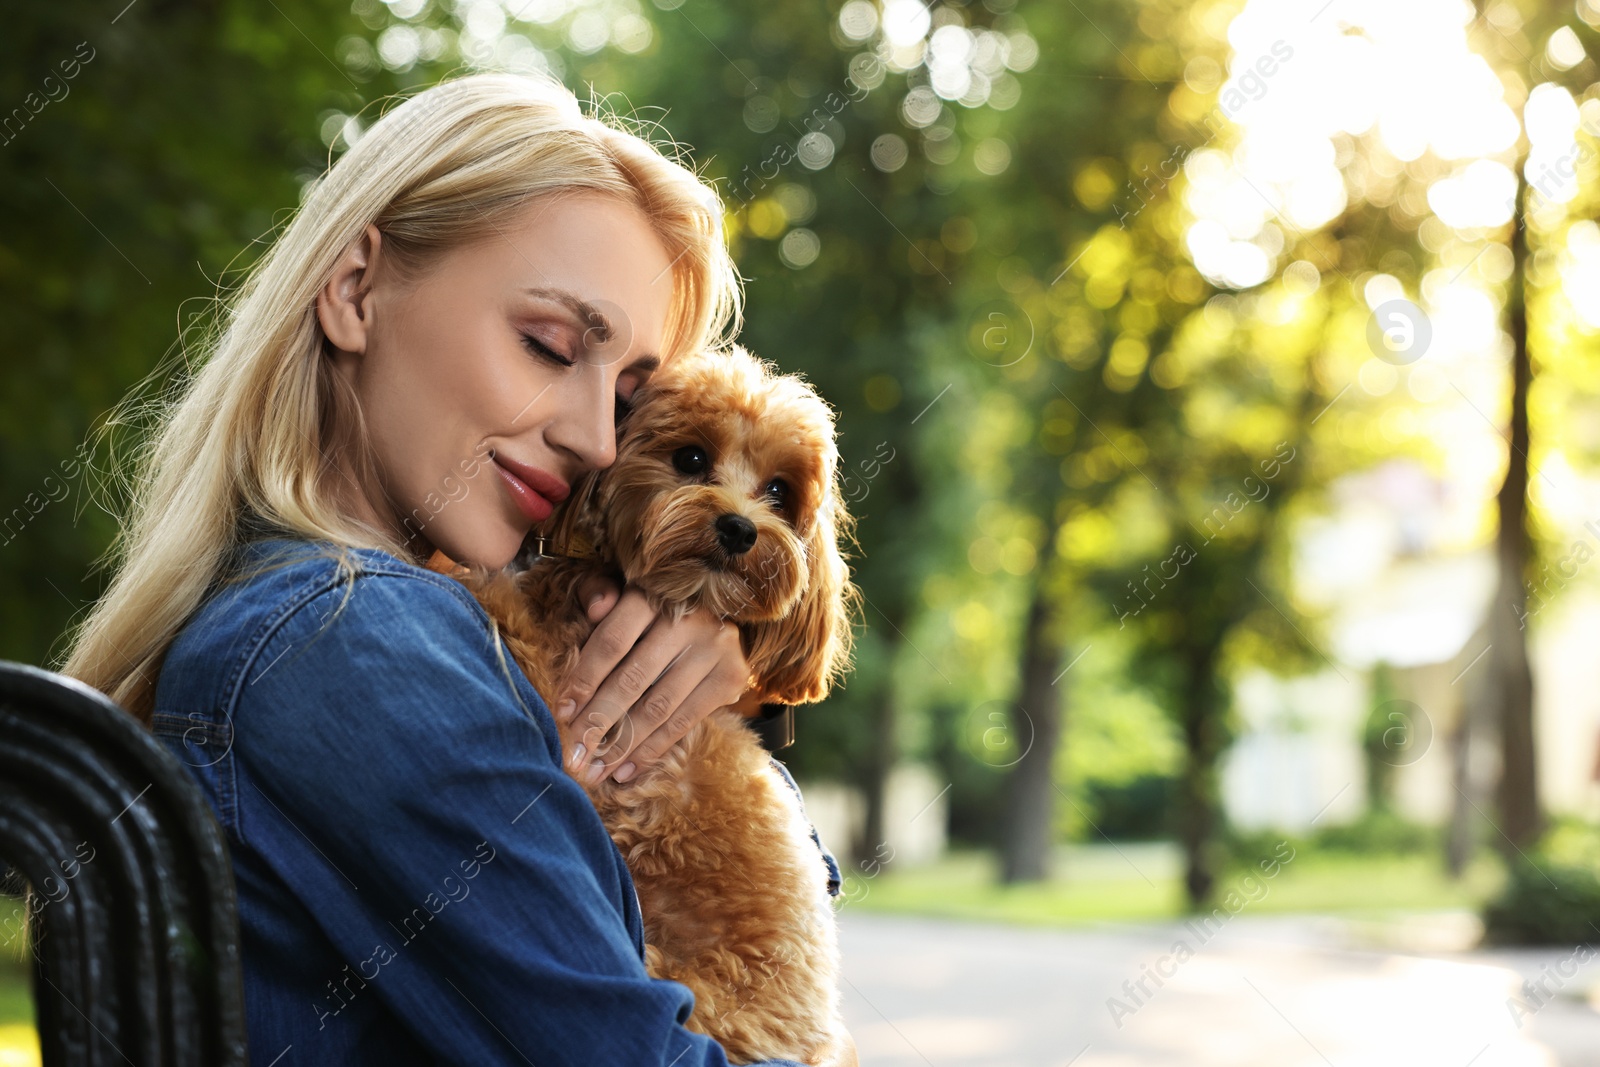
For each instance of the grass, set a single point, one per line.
(1373, 885)
(1141, 884)
(19, 1044)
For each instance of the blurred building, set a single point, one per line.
(1403, 613)
(915, 818)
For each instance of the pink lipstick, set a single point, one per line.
(535, 492)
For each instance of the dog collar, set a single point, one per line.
(578, 548)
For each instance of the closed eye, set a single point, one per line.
(539, 348)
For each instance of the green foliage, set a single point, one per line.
(1136, 810)
(1546, 904)
(1069, 405)
(1245, 850)
(976, 798)
(1552, 895)
(1121, 752)
(143, 180)
(1379, 736)
(1379, 832)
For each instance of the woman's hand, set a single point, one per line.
(655, 677)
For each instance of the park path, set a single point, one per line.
(1258, 992)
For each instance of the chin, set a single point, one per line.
(480, 540)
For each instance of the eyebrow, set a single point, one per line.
(596, 319)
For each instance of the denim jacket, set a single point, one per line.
(419, 880)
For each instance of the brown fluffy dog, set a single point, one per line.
(722, 496)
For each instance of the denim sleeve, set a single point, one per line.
(410, 792)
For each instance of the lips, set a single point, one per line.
(535, 492)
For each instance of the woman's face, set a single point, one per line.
(491, 382)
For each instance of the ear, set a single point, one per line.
(344, 303)
(795, 659)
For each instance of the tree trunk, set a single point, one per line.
(1473, 737)
(1197, 795)
(1511, 679)
(871, 852)
(1036, 729)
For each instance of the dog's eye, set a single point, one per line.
(691, 459)
(778, 492)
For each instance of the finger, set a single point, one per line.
(601, 603)
(668, 699)
(591, 763)
(621, 689)
(600, 594)
(600, 654)
(717, 689)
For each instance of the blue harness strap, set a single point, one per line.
(834, 878)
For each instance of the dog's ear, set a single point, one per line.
(796, 659)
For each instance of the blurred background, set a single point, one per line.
(1219, 395)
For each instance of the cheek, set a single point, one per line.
(442, 383)
(408, 416)
(439, 384)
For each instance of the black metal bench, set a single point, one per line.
(132, 918)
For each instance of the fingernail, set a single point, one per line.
(625, 771)
(596, 771)
(577, 757)
(565, 709)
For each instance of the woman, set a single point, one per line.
(431, 352)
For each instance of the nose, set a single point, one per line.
(584, 420)
(736, 534)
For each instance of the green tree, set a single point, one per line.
(839, 182)
(142, 153)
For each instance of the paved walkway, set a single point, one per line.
(1259, 992)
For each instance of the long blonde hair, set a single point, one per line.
(250, 433)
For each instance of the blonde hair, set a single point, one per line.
(250, 433)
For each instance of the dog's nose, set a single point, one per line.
(736, 534)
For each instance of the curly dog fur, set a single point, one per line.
(732, 890)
